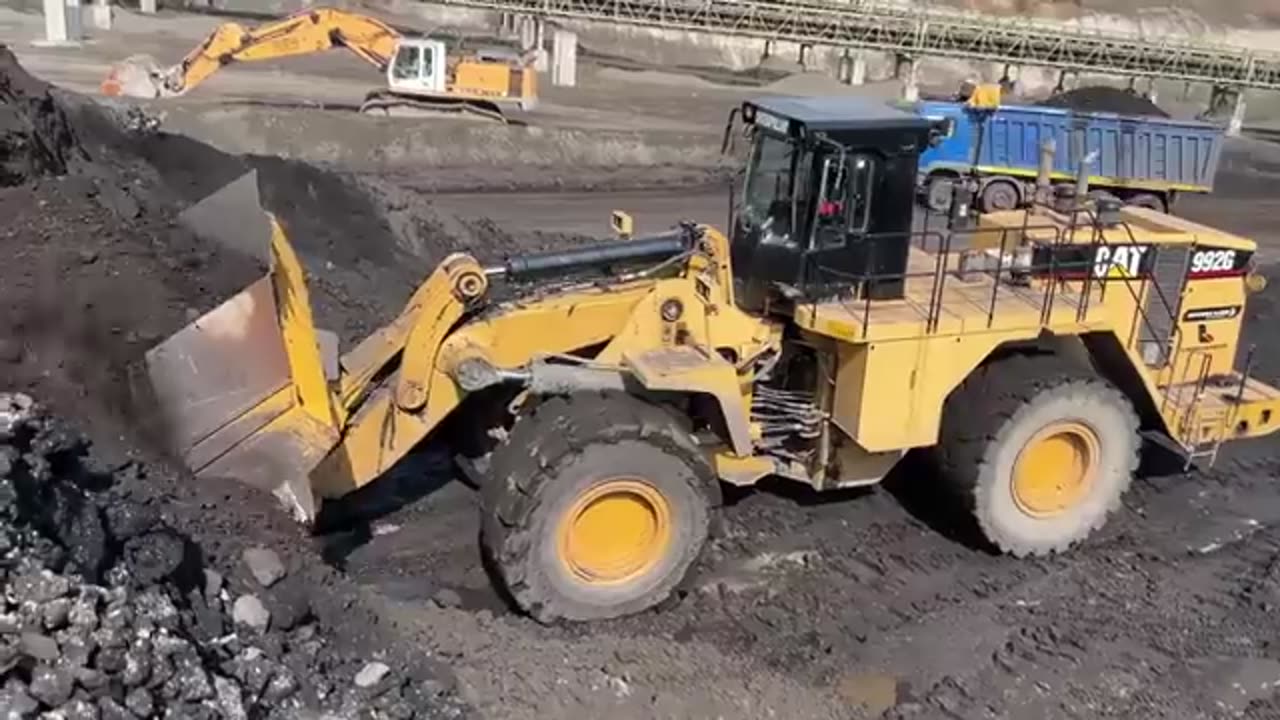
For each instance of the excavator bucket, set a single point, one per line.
(243, 392)
(136, 76)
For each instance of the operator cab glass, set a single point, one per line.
(406, 66)
(826, 208)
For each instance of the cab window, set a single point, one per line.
(844, 203)
(406, 63)
(772, 196)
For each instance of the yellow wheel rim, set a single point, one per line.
(615, 532)
(1055, 469)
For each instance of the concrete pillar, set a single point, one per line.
(540, 44)
(564, 58)
(528, 32)
(1228, 102)
(805, 49)
(101, 12)
(908, 72)
(858, 75)
(62, 23)
(768, 50)
(1236, 124)
(148, 7)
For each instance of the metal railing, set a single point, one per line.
(925, 32)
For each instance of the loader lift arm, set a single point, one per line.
(303, 33)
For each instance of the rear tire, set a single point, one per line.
(1000, 195)
(1039, 450)
(597, 507)
(938, 193)
(1150, 201)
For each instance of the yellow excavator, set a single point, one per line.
(422, 76)
(601, 396)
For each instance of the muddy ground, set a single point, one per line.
(866, 604)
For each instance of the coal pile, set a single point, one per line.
(1101, 98)
(109, 612)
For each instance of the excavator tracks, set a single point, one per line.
(390, 104)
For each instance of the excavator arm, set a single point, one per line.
(304, 33)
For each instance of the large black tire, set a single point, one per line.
(1150, 201)
(560, 454)
(1000, 194)
(938, 192)
(1007, 407)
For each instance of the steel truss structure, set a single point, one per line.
(918, 33)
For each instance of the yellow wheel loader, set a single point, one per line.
(620, 385)
(423, 76)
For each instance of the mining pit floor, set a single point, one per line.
(874, 603)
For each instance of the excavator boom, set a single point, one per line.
(304, 33)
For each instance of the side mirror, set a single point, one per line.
(622, 224)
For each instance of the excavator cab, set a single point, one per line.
(827, 203)
(418, 66)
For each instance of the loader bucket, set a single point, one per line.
(243, 391)
(136, 76)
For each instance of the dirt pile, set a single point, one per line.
(1101, 98)
(111, 612)
(97, 270)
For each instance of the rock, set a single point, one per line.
(155, 606)
(40, 647)
(79, 710)
(56, 613)
(282, 685)
(38, 588)
(77, 649)
(140, 702)
(90, 679)
(50, 685)
(212, 585)
(88, 256)
(249, 611)
(112, 660)
(447, 598)
(137, 665)
(109, 709)
(265, 565)
(9, 655)
(371, 674)
(229, 699)
(84, 614)
(9, 624)
(15, 703)
(289, 603)
(155, 556)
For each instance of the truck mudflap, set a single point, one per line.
(244, 390)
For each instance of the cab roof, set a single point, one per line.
(836, 113)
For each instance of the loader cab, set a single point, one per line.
(826, 206)
(419, 65)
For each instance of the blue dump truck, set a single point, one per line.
(1143, 161)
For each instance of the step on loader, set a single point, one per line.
(614, 388)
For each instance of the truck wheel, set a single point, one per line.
(598, 507)
(938, 193)
(999, 195)
(1040, 450)
(1148, 200)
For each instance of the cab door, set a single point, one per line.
(418, 67)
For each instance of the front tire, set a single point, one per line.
(598, 506)
(1041, 451)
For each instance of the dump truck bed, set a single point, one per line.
(1150, 153)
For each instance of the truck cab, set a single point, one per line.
(828, 199)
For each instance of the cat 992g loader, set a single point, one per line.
(619, 385)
